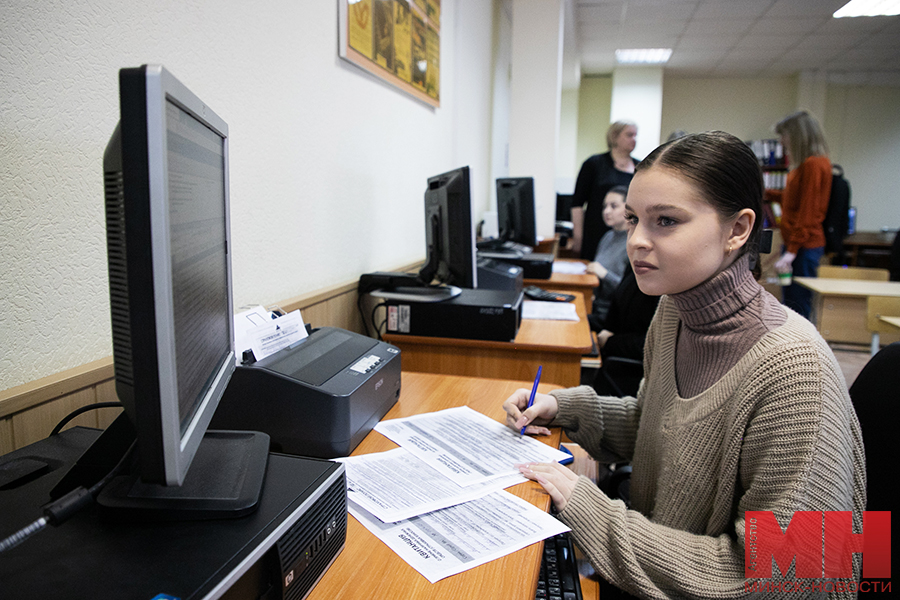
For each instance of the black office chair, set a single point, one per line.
(876, 398)
(565, 229)
(619, 376)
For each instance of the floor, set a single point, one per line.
(852, 360)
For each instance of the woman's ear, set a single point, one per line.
(741, 228)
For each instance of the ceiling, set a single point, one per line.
(734, 38)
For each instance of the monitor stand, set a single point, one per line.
(419, 294)
(224, 481)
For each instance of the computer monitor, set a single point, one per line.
(449, 231)
(515, 210)
(168, 245)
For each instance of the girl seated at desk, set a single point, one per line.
(742, 408)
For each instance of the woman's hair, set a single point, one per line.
(804, 137)
(614, 130)
(724, 170)
(618, 189)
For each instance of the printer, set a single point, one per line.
(318, 397)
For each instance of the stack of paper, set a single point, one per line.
(438, 500)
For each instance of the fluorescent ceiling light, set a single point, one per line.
(868, 8)
(644, 56)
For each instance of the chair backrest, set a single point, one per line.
(876, 398)
(839, 272)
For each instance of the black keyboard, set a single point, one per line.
(559, 571)
(536, 293)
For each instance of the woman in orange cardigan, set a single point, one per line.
(804, 202)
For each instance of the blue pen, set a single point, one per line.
(533, 392)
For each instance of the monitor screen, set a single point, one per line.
(515, 210)
(166, 180)
(449, 231)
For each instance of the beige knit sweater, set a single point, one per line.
(776, 433)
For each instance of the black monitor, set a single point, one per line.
(449, 232)
(168, 244)
(515, 210)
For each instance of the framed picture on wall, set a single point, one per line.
(398, 41)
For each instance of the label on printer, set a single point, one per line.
(366, 364)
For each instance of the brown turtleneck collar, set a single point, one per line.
(721, 319)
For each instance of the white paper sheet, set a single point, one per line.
(277, 334)
(455, 539)
(395, 485)
(245, 322)
(569, 268)
(465, 445)
(549, 311)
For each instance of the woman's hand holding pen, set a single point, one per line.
(541, 412)
(556, 479)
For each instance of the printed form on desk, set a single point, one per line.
(446, 484)
(549, 311)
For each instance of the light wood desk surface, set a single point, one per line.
(568, 282)
(839, 306)
(556, 345)
(367, 568)
(850, 287)
(895, 321)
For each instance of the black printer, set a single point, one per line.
(318, 397)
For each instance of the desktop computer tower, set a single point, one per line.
(496, 275)
(280, 551)
(473, 315)
(534, 266)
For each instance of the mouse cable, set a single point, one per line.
(58, 512)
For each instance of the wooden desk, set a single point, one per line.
(895, 321)
(367, 568)
(566, 282)
(557, 345)
(869, 248)
(839, 306)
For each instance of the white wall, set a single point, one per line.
(567, 164)
(637, 96)
(747, 108)
(328, 164)
(535, 88)
(594, 98)
(862, 127)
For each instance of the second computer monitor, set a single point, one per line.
(449, 233)
(515, 210)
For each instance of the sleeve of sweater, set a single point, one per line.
(797, 450)
(804, 204)
(605, 426)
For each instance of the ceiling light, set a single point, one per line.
(644, 56)
(868, 8)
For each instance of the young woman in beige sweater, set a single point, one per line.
(742, 407)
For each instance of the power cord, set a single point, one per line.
(81, 410)
(60, 510)
(378, 327)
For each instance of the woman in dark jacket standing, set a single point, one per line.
(598, 174)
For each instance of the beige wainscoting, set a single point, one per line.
(29, 412)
